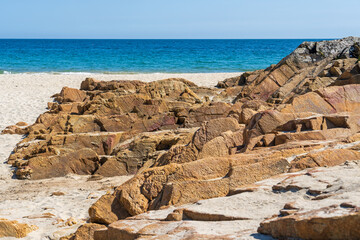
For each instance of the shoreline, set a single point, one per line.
(120, 73)
(33, 89)
(71, 79)
(4, 72)
(25, 96)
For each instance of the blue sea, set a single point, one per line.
(141, 56)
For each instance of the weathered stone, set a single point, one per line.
(222, 145)
(71, 95)
(15, 129)
(112, 167)
(90, 84)
(15, 229)
(212, 129)
(84, 161)
(331, 157)
(107, 210)
(325, 223)
(85, 232)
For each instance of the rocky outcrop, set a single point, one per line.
(104, 128)
(106, 116)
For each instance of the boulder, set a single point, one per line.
(107, 210)
(84, 161)
(225, 144)
(12, 228)
(213, 128)
(85, 232)
(113, 167)
(70, 95)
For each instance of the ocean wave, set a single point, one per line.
(68, 73)
(89, 73)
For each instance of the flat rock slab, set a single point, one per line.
(238, 216)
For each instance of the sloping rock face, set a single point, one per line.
(272, 128)
(185, 143)
(333, 215)
(320, 203)
(313, 65)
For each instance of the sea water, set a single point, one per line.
(141, 56)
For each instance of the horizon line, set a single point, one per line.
(166, 38)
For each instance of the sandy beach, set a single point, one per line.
(23, 98)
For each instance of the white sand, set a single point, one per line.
(22, 98)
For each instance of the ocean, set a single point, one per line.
(141, 56)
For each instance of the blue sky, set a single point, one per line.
(179, 19)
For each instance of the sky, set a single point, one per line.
(181, 19)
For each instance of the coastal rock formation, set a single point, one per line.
(98, 130)
(194, 150)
